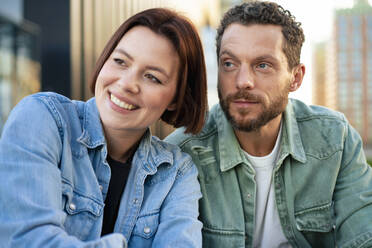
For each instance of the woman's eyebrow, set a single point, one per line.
(154, 68)
(122, 51)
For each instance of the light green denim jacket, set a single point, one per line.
(323, 185)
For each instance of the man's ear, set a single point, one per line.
(298, 73)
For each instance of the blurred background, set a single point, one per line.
(53, 45)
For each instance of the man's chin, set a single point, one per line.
(244, 118)
(244, 124)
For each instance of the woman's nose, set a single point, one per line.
(128, 82)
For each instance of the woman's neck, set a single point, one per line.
(122, 145)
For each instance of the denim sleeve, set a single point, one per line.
(179, 225)
(31, 214)
(353, 195)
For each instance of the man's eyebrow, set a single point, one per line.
(266, 56)
(262, 57)
(228, 53)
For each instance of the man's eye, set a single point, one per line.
(263, 66)
(119, 61)
(227, 64)
(153, 78)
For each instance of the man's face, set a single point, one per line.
(253, 77)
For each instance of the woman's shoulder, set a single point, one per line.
(171, 153)
(40, 105)
(40, 100)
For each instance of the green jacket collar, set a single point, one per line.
(291, 139)
(231, 153)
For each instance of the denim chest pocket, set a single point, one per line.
(317, 224)
(82, 214)
(145, 229)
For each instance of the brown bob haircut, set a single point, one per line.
(191, 95)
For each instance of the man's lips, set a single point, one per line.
(242, 103)
(245, 102)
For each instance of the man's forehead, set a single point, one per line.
(245, 31)
(251, 37)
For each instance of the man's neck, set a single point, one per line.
(262, 141)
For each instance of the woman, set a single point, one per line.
(89, 174)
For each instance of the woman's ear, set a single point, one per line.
(172, 106)
(298, 76)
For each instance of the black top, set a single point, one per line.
(119, 176)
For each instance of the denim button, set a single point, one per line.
(249, 195)
(135, 201)
(72, 206)
(101, 187)
(147, 230)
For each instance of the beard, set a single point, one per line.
(268, 111)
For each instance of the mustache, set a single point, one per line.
(245, 95)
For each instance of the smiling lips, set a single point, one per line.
(122, 104)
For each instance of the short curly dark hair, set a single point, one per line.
(257, 12)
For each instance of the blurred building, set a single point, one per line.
(348, 63)
(319, 75)
(19, 57)
(67, 38)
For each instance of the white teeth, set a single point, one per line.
(121, 104)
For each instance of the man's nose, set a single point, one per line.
(245, 78)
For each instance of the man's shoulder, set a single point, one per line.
(320, 130)
(305, 112)
(182, 139)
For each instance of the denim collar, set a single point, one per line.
(231, 154)
(152, 152)
(149, 152)
(92, 135)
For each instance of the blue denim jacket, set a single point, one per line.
(55, 179)
(323, 184)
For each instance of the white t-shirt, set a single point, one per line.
(268, 231)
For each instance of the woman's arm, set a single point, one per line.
(31, 193)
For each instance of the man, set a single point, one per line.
(275, 172)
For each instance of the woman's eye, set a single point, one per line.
(153, 78)
(119, 61)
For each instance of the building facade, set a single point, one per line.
(346, 83)
(19, 58)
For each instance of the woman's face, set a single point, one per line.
(138, 81)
